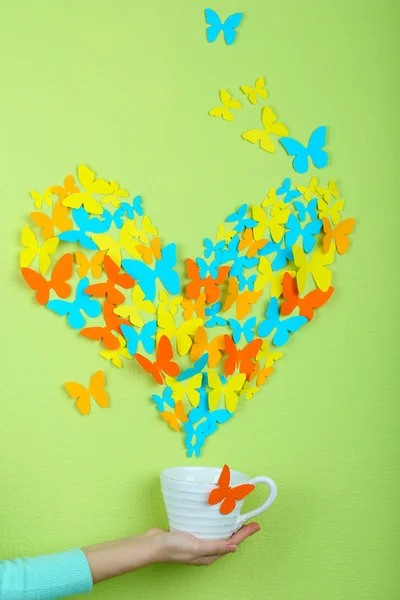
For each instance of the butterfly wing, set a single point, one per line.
(319, 269)
(229, 27)
(315, 147)
(198, 366)
(144, 275)
(215, 384)
(61, 273)
(164, 357)
(232, 387)
(97, 390)
(300, 153)
(38, 283)
(165, 270)
(45, 223)
(215, 24)
(312, 300)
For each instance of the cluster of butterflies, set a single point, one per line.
(313, 152)
(115, 283)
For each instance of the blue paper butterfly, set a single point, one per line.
(247, 329)
(166, 398)
(128, 211)
(82, 303)
(211, 248)
(303, 211)
(306, 234)
(212, 311)
(216, 26)
(282, 254)
(239, 262)
(205, 268)
(249, 282)
(241, 222)
(163, 270)
(86, 225)
(285, 190)
(197, 367)
(145, 336)
(313, 150)
(282, 327)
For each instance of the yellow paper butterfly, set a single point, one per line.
(316, 266)
(188, 388)
(249, 390)
(114, 247)
(33, 249)
(182, 333)
(86, 265)
(91, 185)
(270, 357)
(116, 355)
(274, 224)
(273, 201)
(258, 90)
(309, 192)
(146, 229)
(116, 194)
(326, 193)
(224, 234)
(39, 198)
(223, 111)
(271, 127)
(330, 211)
(230, 390)
(139, 304)
(169, 304)
(270, 276)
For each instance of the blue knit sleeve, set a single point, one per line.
(45, 577)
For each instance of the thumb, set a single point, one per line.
(216, 548)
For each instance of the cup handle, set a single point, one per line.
(273, 491)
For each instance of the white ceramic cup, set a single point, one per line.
(185, 491)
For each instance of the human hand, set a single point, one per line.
(179, 547)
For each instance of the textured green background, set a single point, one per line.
(125, 87)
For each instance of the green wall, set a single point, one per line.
(125, 87)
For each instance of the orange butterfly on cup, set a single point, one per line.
(226, 495)
(82, 395)
(241, 358)
(163, 364)
(210, 285)
(248, 241)
(174, 418)
(85, 265)
(110, 331)
(62, 271)
(59, 219)
(108, 289)
(148, 252)
(307, 304)
(69, 188)
(338, 235)
(197, 306)
(214, 347)
(243, 301)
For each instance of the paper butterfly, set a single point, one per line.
(303, 211)
(46, 197)
(145, 337)
(82, 395)
(187, 388)
(271, 127)
(306, 305)
(33, 249)
(281, 327)
(243, 359)
(214, 347)
(110, 331)
(317, 266)
(174, 418)
(284, 190)
(132, 312)
(246, 329)
(69, 187)
(227, 103)
(338, 235)
(225, 495)
(91, 185)
(182, 333)
(306, 233)
(257, 90)
(314, 151)
(165, 399)
(94, 264)
(108, 289)
(163, 365)
(59, 219)
(229, 388)
(227, 27)
(115, 356)
(212, 312)
(74, 309)
(62, 271)
(239, 218)
(163, 270)
(85, 225)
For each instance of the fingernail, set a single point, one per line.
(231, 548)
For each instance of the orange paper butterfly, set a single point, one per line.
(338, 235)
(105, 333)
(163, 365)
(247, 241)
(96, 390)
(241, 358)
(202, 345)
(210, 285)
(190, 308)
(69, 188)
(114, 278)
(306, 305)
(226, 495)
(173, 418)
(62, 271)
(59, 219)
(86, 265)
(243, 301)
(147, 252)
(261, 374)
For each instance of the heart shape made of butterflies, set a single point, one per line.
(195, 337)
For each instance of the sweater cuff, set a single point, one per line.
(62, 574)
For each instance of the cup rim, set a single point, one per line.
(163, 475)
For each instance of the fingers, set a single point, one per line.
(216, 548)
(243, 533)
